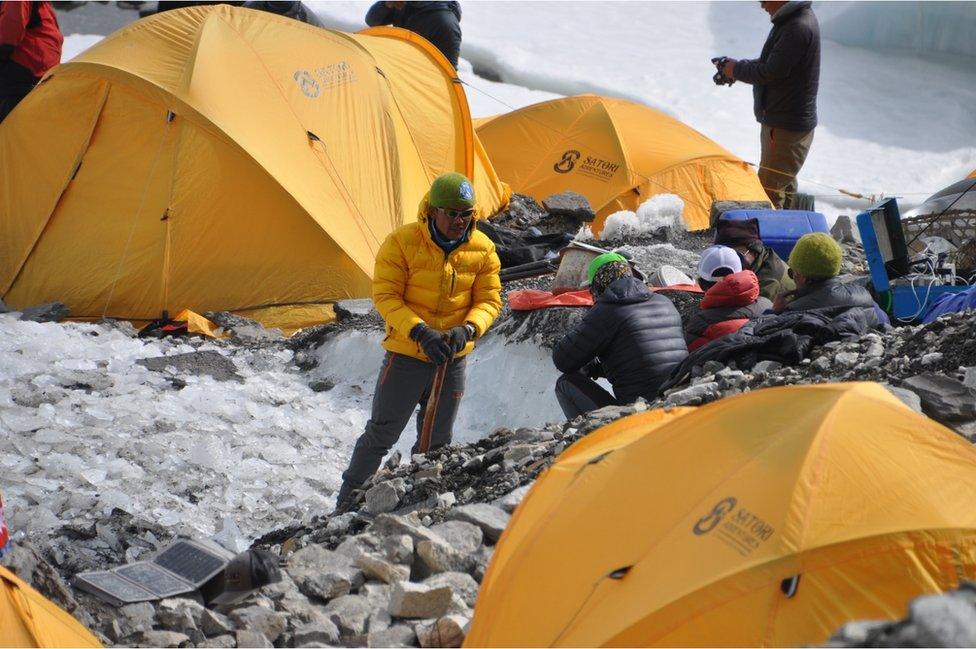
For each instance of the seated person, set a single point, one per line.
(743, 237)
(633, 335)
(731, 297)
(814, 266)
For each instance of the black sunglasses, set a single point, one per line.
(457, 215)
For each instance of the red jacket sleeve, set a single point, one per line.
(14, 17)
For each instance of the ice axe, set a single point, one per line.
(430, 410)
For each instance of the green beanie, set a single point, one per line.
(602, 260)
(451, 189)
(817, 256)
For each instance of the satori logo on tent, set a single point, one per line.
(309, 86)
(567, 162)
(335, 74)
(598, 168)
(708, 522)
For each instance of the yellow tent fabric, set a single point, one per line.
(615, 152)
(220, 158)
(719, 526)
(28, 619)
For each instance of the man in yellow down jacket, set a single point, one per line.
(436, 285)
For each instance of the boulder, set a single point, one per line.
(179, 614)
(384, 497)
(270, 624)
(569, 205)
(438, 556)
(857, 633)
(136, 617)
(374, 567)
(252, 639)
(906, 396)
(398, 549)
(447, 631)
(220, 642)
(49, 312)
(398, 635)
(244, 329)
(412, 600)
(349, 613)
(163, 639)
(390, 525)
(694, 395)
(512, 500)
(324, 632)
(843, 230)
(215, 624)
(943, 398)
(464, 537)
(460, 583)
(492, 520)
(721, 207)
(322, 573)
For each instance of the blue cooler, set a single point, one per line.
(780, 229)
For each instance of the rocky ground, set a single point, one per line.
(403, 566)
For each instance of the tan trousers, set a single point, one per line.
(783, 154)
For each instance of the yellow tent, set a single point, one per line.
(219, 158)
(766, 519)
(617, 153)
(28, 619)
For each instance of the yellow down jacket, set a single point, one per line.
(414, 281)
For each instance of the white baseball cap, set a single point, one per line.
(716, 258)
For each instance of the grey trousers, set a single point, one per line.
(783, 155)
(578, 394)
(403, 383)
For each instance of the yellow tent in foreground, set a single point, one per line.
(28, 619)
(219, 158)
(617, 153)
(766, 519)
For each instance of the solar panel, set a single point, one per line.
(109, 586)
(191, 562)
(154, 579)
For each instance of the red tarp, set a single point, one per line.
(530, 299)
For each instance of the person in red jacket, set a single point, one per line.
(731, 297)
(30, 45)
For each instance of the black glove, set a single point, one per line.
(432, 342)
(458, 338)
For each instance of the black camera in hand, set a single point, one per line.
(719, 77)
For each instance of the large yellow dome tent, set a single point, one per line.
(219, 158)
(615, 152)
(718, 526)
(28, 619)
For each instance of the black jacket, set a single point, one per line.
(832, 293)
(786, 75)
(636, 335)
(438, 22)
(786, 338)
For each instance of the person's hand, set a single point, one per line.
(433, 343)
(458, 337)
(781, 300)
(729, 69)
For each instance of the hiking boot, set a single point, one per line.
(345, 497)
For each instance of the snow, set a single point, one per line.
(663, 210)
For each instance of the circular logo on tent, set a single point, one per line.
(567, 162)
(307, 83)
(708, 522)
